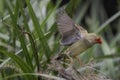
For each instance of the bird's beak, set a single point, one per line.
(98, 40)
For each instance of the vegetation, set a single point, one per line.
(29, 38)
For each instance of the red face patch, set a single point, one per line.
(98, 40)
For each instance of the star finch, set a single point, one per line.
(74, 35)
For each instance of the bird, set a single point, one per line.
(74, 36)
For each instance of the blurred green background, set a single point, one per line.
(29, 36)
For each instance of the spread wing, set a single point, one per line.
(69, 30)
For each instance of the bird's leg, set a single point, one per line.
(71, 60)
(79, 61)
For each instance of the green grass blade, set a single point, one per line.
(39, 31)
(20, 35)
(23, 66)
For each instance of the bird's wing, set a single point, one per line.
(69, 30)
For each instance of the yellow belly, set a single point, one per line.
(78, 47)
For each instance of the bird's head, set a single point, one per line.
(93, 38)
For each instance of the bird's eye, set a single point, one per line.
(89, 40)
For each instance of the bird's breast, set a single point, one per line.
(78, 47)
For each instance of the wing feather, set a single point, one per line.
(69, 30)
(64, 22)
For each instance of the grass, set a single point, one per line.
(29, 37)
